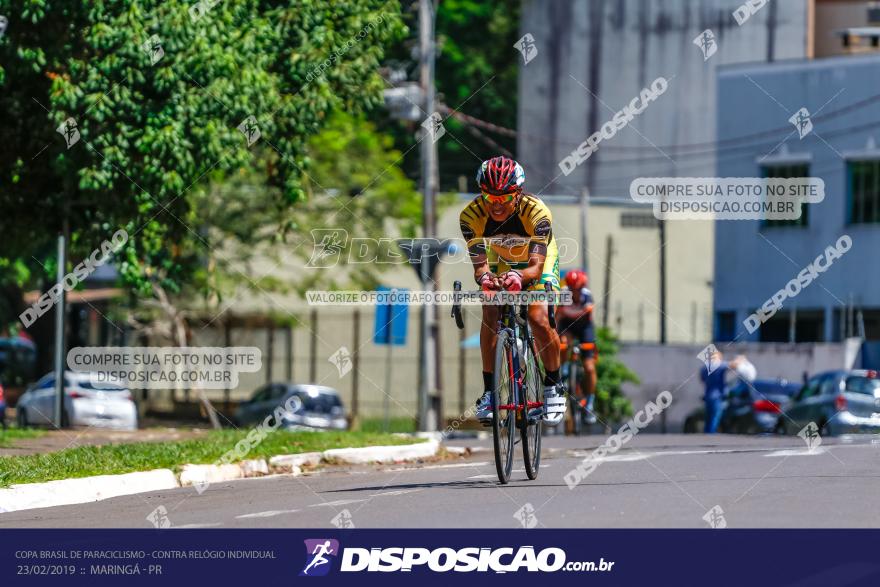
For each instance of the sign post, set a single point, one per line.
(390, 329)
(424, 255)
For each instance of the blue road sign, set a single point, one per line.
(391, 321)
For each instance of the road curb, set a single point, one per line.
(382, 454)
(84, 490)
(294, 463)
(89, 489)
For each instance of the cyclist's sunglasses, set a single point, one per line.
(499, 198)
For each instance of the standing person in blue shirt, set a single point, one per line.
(714, 375)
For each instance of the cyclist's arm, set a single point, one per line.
(539, 224)
(476, 248)
(532, 273)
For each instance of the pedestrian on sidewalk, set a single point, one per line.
(714, 377)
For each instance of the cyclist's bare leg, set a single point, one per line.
(547, 341)
(488, 337)
(589, 376)
(546, 338)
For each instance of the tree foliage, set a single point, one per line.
(477, 70)
(156, 90)
(611, 404)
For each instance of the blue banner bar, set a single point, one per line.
(398, 557)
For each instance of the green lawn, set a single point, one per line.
(394, 425)
(85, 461)
(10, 435)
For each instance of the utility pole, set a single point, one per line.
(606, 295)
(60, 311)
(662, 281)
(427, 363)
(585, 195)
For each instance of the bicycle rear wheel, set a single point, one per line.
(503, 424)
(531, 431)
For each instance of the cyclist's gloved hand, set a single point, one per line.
(487, 282)
(512, 281)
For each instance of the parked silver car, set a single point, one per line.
(86, 403)
(839, 402)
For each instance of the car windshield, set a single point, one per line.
(860, 384)
(322, 403)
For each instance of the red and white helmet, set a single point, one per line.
(576, 279)
(500, 175)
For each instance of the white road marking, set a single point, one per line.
(211, 525)
(483, 477)
(797, 452)
(267, 514)
(336, 503)
(395, 492)
(625, 458)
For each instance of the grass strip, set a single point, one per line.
(10, 435)
(86, 461)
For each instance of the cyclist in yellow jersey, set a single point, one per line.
(511, 244)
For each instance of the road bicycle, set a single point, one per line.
(519, 374)
(572, 372)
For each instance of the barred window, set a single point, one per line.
(788, 171)
(863, 192)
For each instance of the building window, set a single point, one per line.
(863, 192)
(726, 326)
(638, 220)
(788, 171)
(807, 326)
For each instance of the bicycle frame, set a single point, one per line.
(517, 324)
(519, 328)
(515, 334)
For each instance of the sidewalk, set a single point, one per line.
(55, 440)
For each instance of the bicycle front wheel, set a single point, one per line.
(530, 428)
(504, 406)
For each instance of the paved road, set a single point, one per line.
(654, 481)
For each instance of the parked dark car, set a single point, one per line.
(749, 407)
(315, 407)
(838, 402)
(753, 408)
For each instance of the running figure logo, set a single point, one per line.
(706, 42)
(801, 121)
(527, 48)
(317, 552)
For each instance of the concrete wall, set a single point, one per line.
(753, 262)
(595, 57)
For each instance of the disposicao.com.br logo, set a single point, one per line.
(444, 559)
(318, 551)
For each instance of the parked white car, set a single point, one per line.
(86, 403)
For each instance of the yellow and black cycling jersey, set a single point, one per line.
(510, 242)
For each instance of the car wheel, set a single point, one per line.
(21, 418)
(825, 429)
(779, 429)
